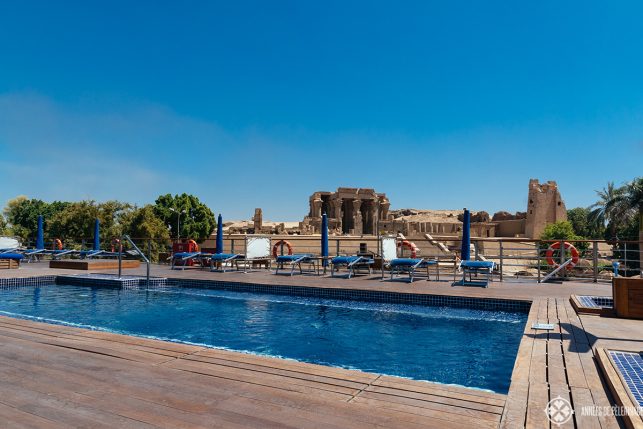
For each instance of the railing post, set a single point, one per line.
(149, 258)
(595, 260)
(502, 260)
(561, 250)
(625, 259)
(232, 245)
(120, 257)
(337, 245)
(539, 261)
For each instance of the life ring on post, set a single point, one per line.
(117, 242)
(278, 244)
(411, 246)
(58, 245)
(192, 245)
(568, 246)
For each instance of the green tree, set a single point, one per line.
(111, 214)
(561, 230)
(564, 231)
(3, 226)
(608, 212)
(74, 223)
(142, 224)
(186, 212)
(22, 214)
(630, 202)
(579, 217)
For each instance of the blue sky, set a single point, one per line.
(258, 104)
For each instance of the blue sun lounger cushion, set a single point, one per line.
(222, 259)
(352, 263)
(477, 264)
(345, 260)
(474, 268)
(13, 256)
(410, 262)
(294, 260)
(223, 256)
(180, 259)
(409, 265)
(184, 255)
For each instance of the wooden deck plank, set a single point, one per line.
(91, 376)
(581, 398)
(446, 416)
(536, 405)
(401, 395)
(13, 418)
(470, 395)
(515, 412)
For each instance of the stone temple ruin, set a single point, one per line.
(352, 211)
(362, 211)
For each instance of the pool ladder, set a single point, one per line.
(135, 247)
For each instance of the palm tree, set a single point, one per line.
(619, 206)
(608, 211)
(633, 201)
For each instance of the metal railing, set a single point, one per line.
(518, 259)
(137, 250)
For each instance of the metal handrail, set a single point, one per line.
(120, 257)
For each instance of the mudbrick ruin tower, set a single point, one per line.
(544, 206)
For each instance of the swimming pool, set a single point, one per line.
(469, 347)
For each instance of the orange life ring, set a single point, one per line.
(58, 245)
(412, 247)
(117, 242)
(196, 246)
(278, 244)
(568, 246)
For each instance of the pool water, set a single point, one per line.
(474, 348)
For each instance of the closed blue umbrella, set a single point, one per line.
(40, 235)
(97, 235)
(466, 236)
(219, 234)
(324, 239)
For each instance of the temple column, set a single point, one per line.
(316, 207)
(357, 217)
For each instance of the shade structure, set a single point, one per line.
(219, 234)
(40, 235)
(96, 235)
(466, 236)
(324, 239)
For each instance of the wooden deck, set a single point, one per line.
(57, 376)
(558, 363)
(54, 376)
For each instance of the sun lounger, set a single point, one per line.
(10, 260)
(404, 265)
(352, 263)
(296, 261)
(257, 251)
(222, 260)
(476, 268)
(57, 254)
(180, 259)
